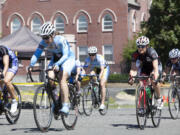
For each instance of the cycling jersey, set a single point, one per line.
(96, 65)
(62, 54)
(146, 60)
(175, 66)
(13, 60)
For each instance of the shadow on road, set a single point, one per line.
(35, 130)
(165, 118)
(129, 126)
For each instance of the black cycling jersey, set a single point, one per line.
(175, 66)
(146, 60)
(3, 52)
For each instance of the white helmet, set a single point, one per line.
(174, 53)
(47, 29)
(92, 50)
(143, 40)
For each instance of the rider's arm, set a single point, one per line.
(6, 64)
(155, 66)
(133, 71)
(65, 52)
(37, 54)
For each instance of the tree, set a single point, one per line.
(163, 26)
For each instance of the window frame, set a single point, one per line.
(32, 24)
(12, 24)
(85, 46)
(82, 31)
(59, 24)
(103, 22)
(103, 49)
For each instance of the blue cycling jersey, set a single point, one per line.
(96, 63)
(60, 49)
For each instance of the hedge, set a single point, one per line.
(117, 78)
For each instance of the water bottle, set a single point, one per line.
(148, 92)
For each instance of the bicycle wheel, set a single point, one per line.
(155, 113)
(173, 102)
(103, 112)
(87, 101)
(80, 104)
(70, 120)
(42, 109)
(141, 108)
(12, 118)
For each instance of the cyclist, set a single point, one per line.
(173, 63)
(63, 59)
(96, 64)
(148, 63)
(76, 74)
(9, 67)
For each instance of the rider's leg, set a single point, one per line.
(103, 81)
(7, 80)
(65, 72)
(51, 74)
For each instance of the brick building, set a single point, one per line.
(104, 23)
(138, 11)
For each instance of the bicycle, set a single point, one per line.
(146, 104)
(92, 96)
(72, 83)
(5, 103)
(174, 96)
(46, 104)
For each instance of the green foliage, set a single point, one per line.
(115, 78)
(163, 27)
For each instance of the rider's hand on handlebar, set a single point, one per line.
(56, 68)
(131, 80)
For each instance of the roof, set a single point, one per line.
(132, 2)
(22, 40)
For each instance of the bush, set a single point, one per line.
(117, 78)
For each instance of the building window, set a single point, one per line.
(15, 25)
(107, 23)
(35, 25)
(134, 23)
(82, 24)
(59, 24)
(83, 53)
(108, 53)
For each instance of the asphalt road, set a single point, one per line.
(116, 122)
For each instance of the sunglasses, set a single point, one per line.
(174, 58)
(141, 46)
(93, 54)
(45, 37)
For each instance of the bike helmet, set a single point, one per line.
(92, 50)
(174, 53)
(47, 29)
(143, 40)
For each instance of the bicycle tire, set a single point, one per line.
(103, 112)
(155, 112)
(13, 118)
(173, 102)
(140, 108)
(69, 121)
(87, 101)
(80, 104)
(42, 104)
